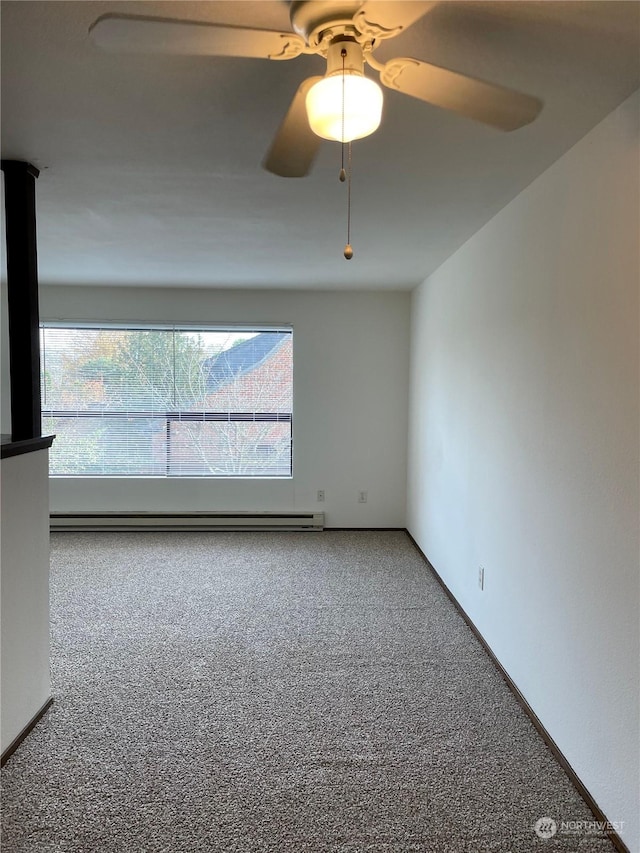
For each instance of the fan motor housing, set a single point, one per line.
(312, 19)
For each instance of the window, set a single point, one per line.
(167, 402)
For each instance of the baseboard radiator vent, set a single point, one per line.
(118, 521)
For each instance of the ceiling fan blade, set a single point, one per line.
(295, 145)
(484, 102)
(381, 20)
(133, 34)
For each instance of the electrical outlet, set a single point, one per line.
(320, 495)
(362, 497)
(481, 577)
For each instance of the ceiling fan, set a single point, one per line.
(344, 104)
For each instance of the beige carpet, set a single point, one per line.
(241, 692)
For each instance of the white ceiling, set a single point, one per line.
(151, 168)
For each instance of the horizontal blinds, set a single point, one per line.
(168, 402)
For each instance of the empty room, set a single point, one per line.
(320, 426)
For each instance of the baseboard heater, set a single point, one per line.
(118, 521)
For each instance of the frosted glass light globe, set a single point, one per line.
(362, 107)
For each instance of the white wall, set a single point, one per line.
(26, 683)
(523, 449)
(351, 363)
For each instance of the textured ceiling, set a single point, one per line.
(151, 168)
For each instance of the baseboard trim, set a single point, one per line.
(366, 529)
(580, 787)
(15, 743)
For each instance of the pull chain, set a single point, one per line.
(348, 251)
(342, 176)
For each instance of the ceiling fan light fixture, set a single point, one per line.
(362, 106)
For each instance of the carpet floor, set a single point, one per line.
(285, 692)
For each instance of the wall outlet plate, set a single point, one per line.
(481, 577)
(320, 495)
(362, 497)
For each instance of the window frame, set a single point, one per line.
(172, 415)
